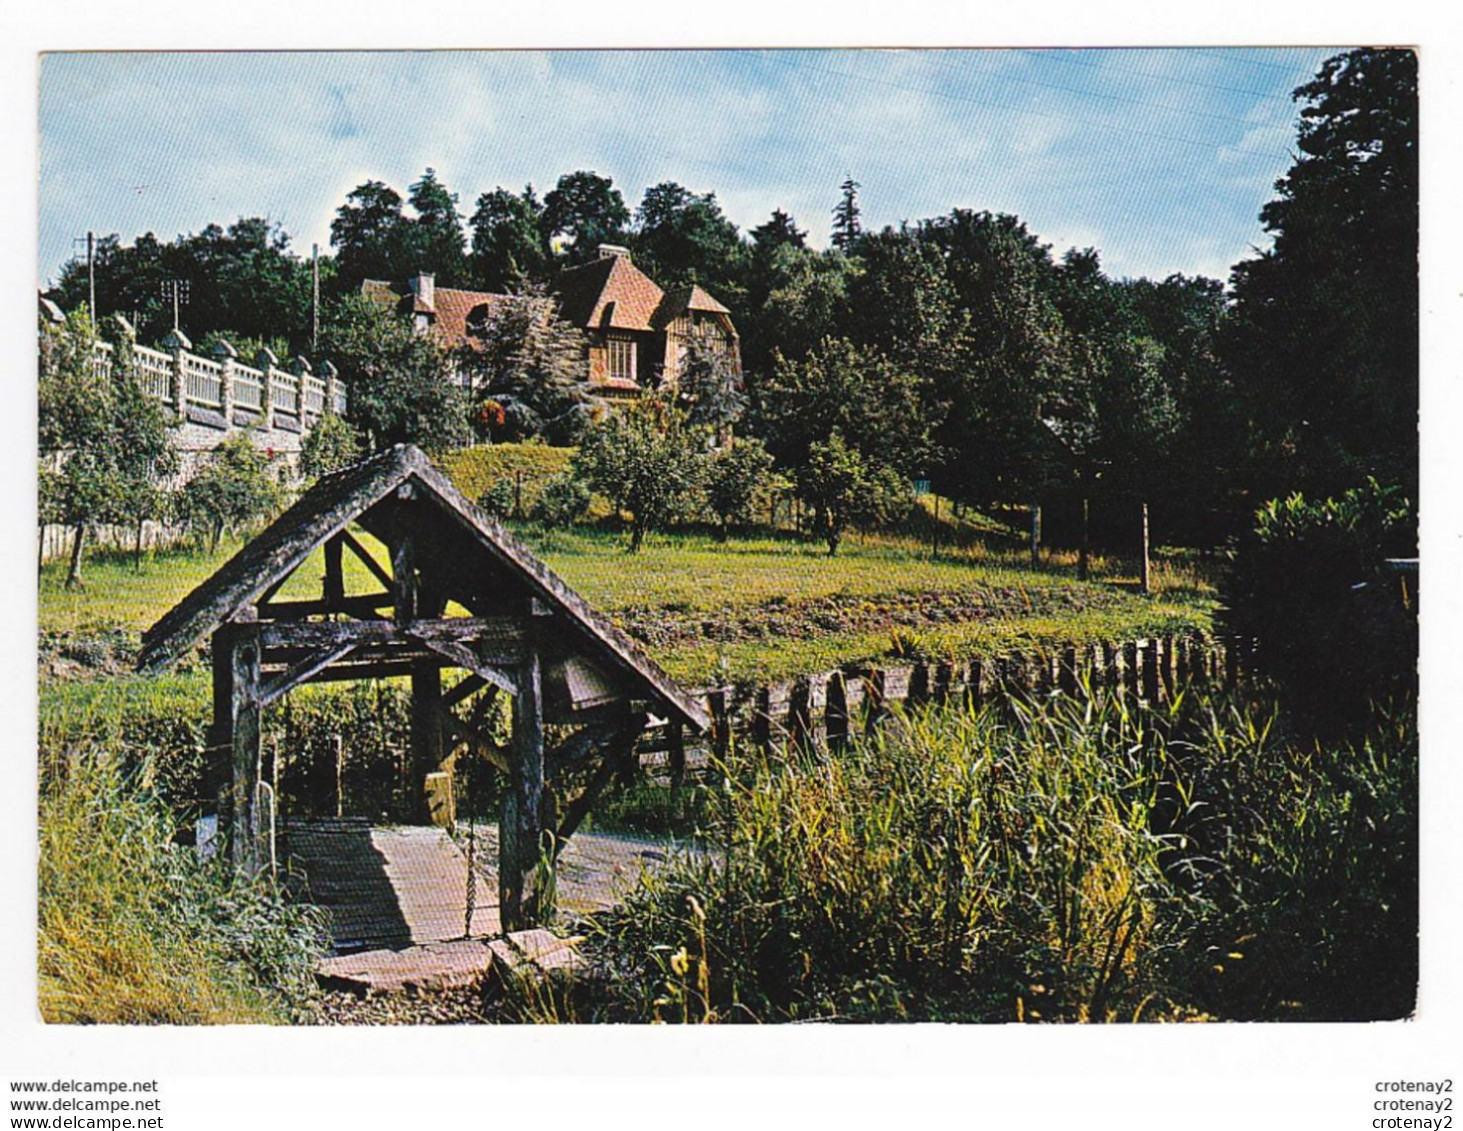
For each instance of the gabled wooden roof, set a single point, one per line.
(355, 494)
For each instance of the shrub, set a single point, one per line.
(499, 498)
(134, 928)
(647, 460)
(1072, 859)
(329, 446)
(564, 501)
(737, 477)
(233, 490)
(1308, 582)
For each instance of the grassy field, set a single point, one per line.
(760, 608)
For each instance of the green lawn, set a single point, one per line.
(749, 609)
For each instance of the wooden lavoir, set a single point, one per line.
(457, 591)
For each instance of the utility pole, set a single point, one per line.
(91, 275)
(314, 299)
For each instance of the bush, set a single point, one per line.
(844, 490)
(736, 479)
(647, 460)
(499, 498)
(1068, 860)
(233, 490)
(134, 928)
(564, 501)
(329, 446)
(526, 467)
(158, 728)
(1309, 584)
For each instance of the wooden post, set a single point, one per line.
(1150, 686)
(1035, 533)
(676, 737)
(1145, 582)
(427, 748)
(334, 584)
(835, 716)
(521, 829)
(1082, 550)
(234, 764)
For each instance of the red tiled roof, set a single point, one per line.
(609, 293)
(454, 309)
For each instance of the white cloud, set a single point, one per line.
(1124, 146)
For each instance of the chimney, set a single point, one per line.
(424, 289)
(613, 251)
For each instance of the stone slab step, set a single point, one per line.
(459, 964)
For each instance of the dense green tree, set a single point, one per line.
(586, 210)
(736, 478)
(508, 246)
(105, 445)
(681, 237)
(647, 460)
(881, 409)
(242, 281)
(901, 303)
(402, 386)
(804, 298)
(529, 361)
(845, 490)
(435, 233)
(1323, 342)
(1010, 368)
(846, 224)
(780, 230)
(370, 233)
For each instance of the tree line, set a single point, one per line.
(958, 348)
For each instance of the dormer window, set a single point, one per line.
(620, 359)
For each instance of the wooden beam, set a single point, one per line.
(618, 750)
(465, 657)
(300, 672)
(427, 751)
(403, 568)
(333, 591)
(237, 732)
(499, 639)
(366, 558)
(356, 606)
(465, 688)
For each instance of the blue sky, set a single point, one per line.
(1160, 158)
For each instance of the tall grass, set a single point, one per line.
(136, 929)
(1067, 860)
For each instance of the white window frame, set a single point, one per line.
(620, 358)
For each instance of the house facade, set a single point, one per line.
(636, 335)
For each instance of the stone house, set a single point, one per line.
(636, 334)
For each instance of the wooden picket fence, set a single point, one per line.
(826, 709)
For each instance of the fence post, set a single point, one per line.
(332, 388)
(227, 357)
(178, 345)
(300, 367)
(1035, 533)
(265, 361)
